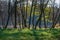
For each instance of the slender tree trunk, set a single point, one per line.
(15, 4)
(53, 16)
(26, 12)
(8, 14)
(30, 14)
(34, 14)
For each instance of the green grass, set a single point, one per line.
(26, 34)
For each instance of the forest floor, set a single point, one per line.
(30, 34)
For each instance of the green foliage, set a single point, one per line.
(26, 34)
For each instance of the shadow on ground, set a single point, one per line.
(26, 34)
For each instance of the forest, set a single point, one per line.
(33, 19)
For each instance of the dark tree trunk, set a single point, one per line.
(8, 14)
(35, 3)
(30, 14)
(15, 6)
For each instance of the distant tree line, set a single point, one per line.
(18, 13)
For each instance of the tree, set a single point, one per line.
(43, 5)
(15, 6)
(30, 14)
(9, 11)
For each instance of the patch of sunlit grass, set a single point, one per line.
(10, 31)
(30, 34)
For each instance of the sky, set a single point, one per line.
(57, 1)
